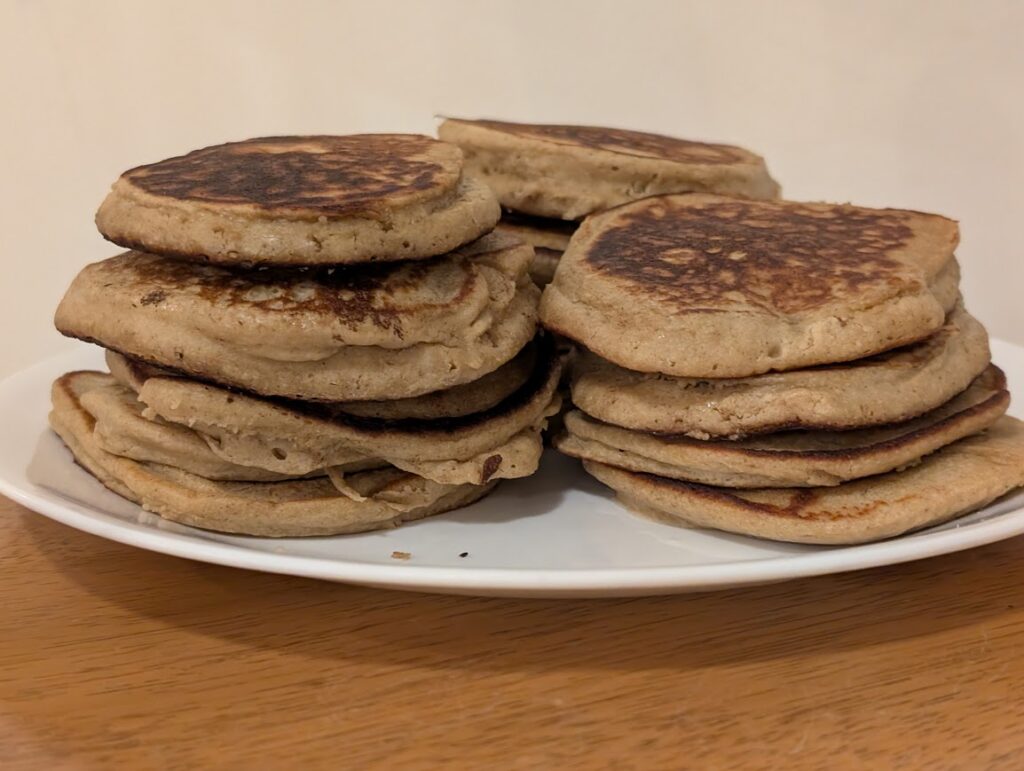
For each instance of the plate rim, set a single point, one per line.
(470, 579)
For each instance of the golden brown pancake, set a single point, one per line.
(288, 437)
(890, 387)
(960, 478)
(311, 200)
(704, 286)
(349, 503)
(359, 333)
(475, 396)
(791, 458)
(568, 172)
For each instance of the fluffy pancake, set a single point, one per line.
(387, 497)
(703, 286)
(549, 239)
(501, 441)
(955, 480)
(795, 458)
(376, 332)
(887, 388)
(568, 172)
(315, 200)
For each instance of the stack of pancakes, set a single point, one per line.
(311, 335)
(548, 177)
(800, 372)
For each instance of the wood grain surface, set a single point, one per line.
(111, 657)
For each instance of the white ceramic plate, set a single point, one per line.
(558, 533)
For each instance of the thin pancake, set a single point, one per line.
(121, 429)
(796, 458)
(960, 478)
(888, 388)
(476, 396)
(288, 437)
(279, 509)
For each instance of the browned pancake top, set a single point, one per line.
(378, 294)
(777, 256)
(357, 175)
(624, 142)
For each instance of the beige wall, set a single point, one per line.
(912, 104)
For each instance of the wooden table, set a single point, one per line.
(114, 657)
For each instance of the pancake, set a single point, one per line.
(549, 239)
(476, 396)
(315, 200)
(121, 429)
(281, 509)
(703, 286)
(794, 458)
(888, 388)
(568, 172)
(293, 438)
(960, 478)
(377, 332)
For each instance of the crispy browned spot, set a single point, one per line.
(344, 175)
(625, 142)
(491, 466)
(775, 256)
(155, 297)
